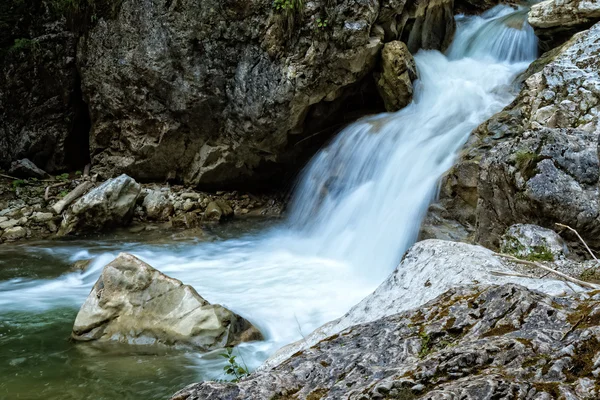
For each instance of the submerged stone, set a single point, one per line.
(134, 303)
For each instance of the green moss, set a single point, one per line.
(526, 162)
(499, 330)
(425, 345)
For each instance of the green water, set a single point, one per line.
(39, 361)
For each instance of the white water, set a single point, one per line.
(357, 208)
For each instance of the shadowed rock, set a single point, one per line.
(137, 304)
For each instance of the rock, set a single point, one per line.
(110, 204)
(81, 265)
(474, 343)
(534, 243)
(557, 110)
(189, 205)
(134, 303)
(173, 96)
(544, 177)
(556, 19)
(213, 212)
(157, 205)
(42, 113)
(12, 234)
(26, 169)
(189, 220)
(418, 280)
(9, 224)
(227, 211)
(191, 195)
(41, 217)
(399, 71)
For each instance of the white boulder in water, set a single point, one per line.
(110, 204)
(134, 303)
(564, 13)
(430, 268)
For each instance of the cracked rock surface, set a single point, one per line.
(474, 342)
(134, 303)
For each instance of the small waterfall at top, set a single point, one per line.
(356, 209)
(363, 198)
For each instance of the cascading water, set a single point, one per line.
(357, 208)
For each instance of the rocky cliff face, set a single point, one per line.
(42, 116)
(537, 160)
(212, 92)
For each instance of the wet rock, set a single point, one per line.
(157, 205)
(475, 342)
(26, 169)
(81, 265)
(109, 205)
(134, 303)
(12, 234)
(213, 212)
(417, 280)
(534, 243)
(189, 220)
(399, 71)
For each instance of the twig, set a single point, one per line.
(542, 266)
(581, 239)
(47, 192)
(8, 177)
(502, 273)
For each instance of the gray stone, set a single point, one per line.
(9, 224)
(473, 343)
(110, 204)
(26, 169)
(213, 92)
(213, 212)
(157, 205)
(533, 242)
(12, 234)
(134, 303)
(41, 217)
(563, 13)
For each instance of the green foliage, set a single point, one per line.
(78, 173)
(18, 183)
(233, 368)
(23, 45)
(63, 177)
(322, 23)
(292, 10)
(425, 344)
(63, 194)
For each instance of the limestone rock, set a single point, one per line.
(428, 269)
(42, 217)
(110, 204)
(26, 169)
(533, 242)
(557, 110)
(157, 205)
(16, 233)
(211, 92)
(474, 343)
(399, 71)
(134, 303)
(553, 19)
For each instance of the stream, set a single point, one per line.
(356, 209)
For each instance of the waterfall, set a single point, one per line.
(356, 209)
(363, 198)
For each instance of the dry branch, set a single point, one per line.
(581, 239)
(72, 196)
(47, 192)
(542, 266)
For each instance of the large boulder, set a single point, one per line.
(213, 92)
(398, 72)
(537, 160)
(534, 243)
(428, 269)
(42, 113)
(473, 343)
(554, 20)
(137, 304)
(110, 204)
